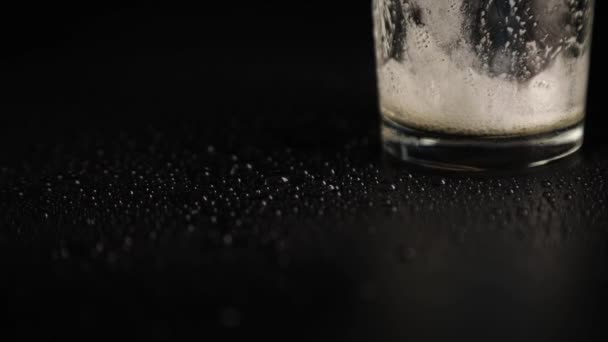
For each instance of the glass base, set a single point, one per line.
(467, 153)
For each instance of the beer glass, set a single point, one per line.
(482, 84)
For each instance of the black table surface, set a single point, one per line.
(159, 186)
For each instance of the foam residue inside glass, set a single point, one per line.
(514, 78)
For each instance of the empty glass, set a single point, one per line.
(482, 84)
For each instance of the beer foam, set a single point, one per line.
(438, 86)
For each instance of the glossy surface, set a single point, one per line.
(156, 204)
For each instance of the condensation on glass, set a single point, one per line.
(486, 71)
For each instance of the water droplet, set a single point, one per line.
(64, 253)
(227, 239)
(406, 254)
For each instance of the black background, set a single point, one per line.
(270, 36)
(171, 91)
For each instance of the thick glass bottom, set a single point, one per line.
(479, 153)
